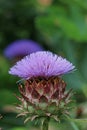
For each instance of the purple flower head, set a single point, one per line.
(21, 48)
(41, 64)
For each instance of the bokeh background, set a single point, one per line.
(59, 26)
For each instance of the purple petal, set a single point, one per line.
(41, 64)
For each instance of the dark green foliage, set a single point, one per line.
(60, 27)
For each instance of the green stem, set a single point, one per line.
(45, 123)
(75, 127)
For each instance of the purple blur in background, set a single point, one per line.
(21, 48)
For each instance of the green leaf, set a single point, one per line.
(78, 120)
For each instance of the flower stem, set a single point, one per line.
(45, 123)
(75, 127)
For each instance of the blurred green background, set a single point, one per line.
(57, 25)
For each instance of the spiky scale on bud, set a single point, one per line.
(42, 97)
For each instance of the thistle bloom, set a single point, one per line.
(41, 64)
(43, 91)
(21, 48)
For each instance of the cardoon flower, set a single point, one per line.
(21, 48)
(43, 93)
